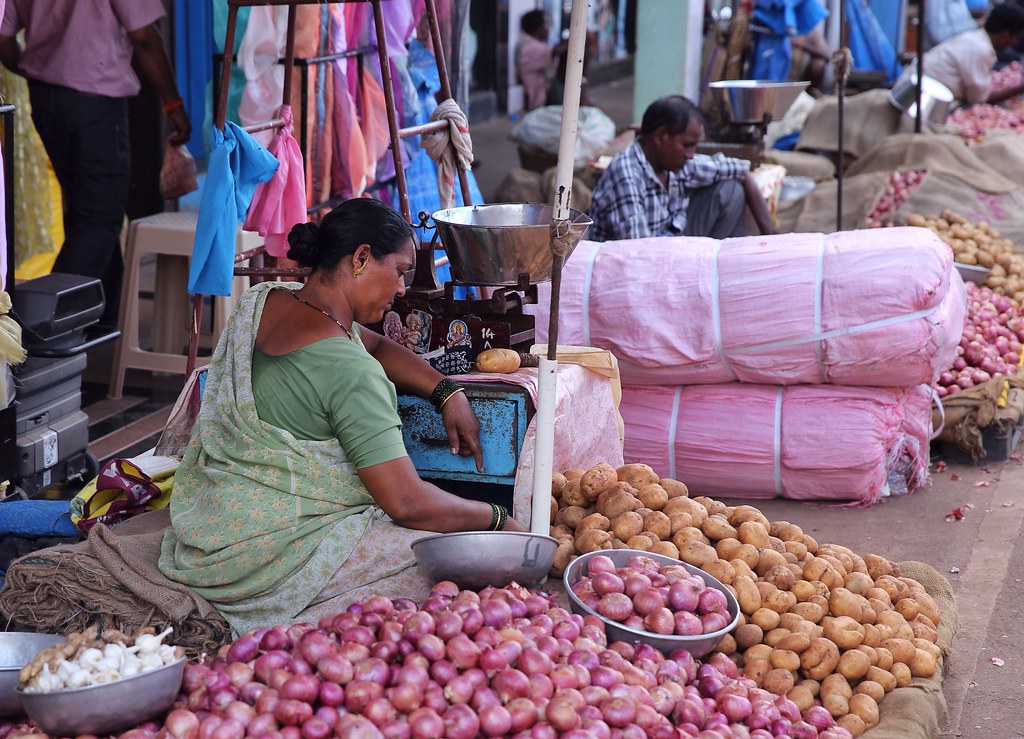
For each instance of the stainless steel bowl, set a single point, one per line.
(17, 648)
(494, 244)
(476, 559)
(936, 99)
(107, 708)
(973, 273)
(746, 101)
(698, 646)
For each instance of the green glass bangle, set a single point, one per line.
(443, 390)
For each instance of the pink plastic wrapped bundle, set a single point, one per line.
(879, 307)
(805, 442)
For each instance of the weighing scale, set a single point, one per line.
(504, 249)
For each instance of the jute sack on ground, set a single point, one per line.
(112, 580)
(816, 213)
(868, 118)
(919, 710)
(944, 153)
(969, 412)
(1003, 151)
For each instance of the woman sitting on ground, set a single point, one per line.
(296, 495)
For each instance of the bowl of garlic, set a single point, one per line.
(101, 683)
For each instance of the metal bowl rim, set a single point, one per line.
(650, 634)
(582, 219)
(76, 691)
(61, 637)
(756, 85)
(454, 534)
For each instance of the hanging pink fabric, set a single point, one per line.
(280, 202)
(375, 120)
(348, 166)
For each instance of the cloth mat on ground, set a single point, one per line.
(110, 579)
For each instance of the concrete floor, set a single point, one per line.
(986, 547)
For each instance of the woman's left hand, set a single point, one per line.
(463, 429)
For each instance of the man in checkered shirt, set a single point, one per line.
(660, 186)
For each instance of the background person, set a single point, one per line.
(78, 63)
(536, 61)
(660, 186)
(964, 62)
(296, 492)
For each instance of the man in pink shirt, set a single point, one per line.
(77, 59)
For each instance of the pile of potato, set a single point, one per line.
(817, 621)
(979, 244)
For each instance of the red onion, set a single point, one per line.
(660, 621)
(182, 724)
(618, 712)
(607, 582)
(276, 639)
(561, 714)
(616, 606)
(495, 721)
(263, 724)
(541, 687)
(461, 722)
(819, 717)
(292, 712)
(442, 671)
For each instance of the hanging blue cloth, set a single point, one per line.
(774, 22)
(193, 54)
(870, 47)
(238, 163)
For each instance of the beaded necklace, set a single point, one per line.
(348, 331)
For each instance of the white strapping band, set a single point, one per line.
(942, 414)
(672, 426)
(819, 286)
(823, 335)
(588, 276)
(777, 442)
(716, 311)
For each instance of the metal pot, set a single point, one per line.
(936, 99)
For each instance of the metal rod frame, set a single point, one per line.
(396, 133)
(919, 87)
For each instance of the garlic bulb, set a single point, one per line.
(79, 679)
(89, 657)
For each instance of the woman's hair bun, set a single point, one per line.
(302, 240)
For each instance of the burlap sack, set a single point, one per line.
(802, 164)
(112, 580)
(965, 415)
(1003, 151)
(816, 213)
(868, 119)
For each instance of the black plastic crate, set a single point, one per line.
(998, 439)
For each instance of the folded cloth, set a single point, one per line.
(36, 518)
(111, 579)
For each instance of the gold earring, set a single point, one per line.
(356, 271)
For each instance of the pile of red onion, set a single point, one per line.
(991, 342)
(897, 190)
(976, 120)
(505, 662)
(647, 597)
(1009, 76)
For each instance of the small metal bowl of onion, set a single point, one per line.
(475, 559)
(698, 644)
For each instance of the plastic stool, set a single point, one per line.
(170, 236)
